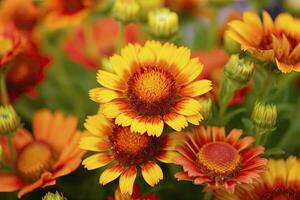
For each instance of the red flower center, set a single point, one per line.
(33, 160)
(133, 148)
(151, 91)
(219, 160)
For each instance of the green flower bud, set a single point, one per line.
(9, 120)
(264, 116)
(51, 196)
(206, 108)
(238, 70)
(163, 22)
(125, 10)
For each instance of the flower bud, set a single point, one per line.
(238, 70)
(51, 196)
(205, 108)
(264, 116)
(125, 10)
(9, 120)
(163, 22)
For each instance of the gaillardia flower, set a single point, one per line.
(276, 41)
(208, 156)
(152, 85)
(280, 182)
(38, 160)
(11, 43)
(136, 195)
(125, 151)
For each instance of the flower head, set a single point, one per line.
(280, 182)
(276, 41)
(126, 151)
(208, 156)
(40, 159)
(9, 120)
(153, 85)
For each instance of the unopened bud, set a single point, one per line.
(9, 120)
(264, 116)
(163, 22)
(238, 70)
(205, 108)
(125, 10)
(51, 196)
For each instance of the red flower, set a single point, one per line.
(27, 71)
(88, 45)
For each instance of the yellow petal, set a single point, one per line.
(190, 72)
(283, 67)
(154, 126)
(110, 174)
(125, 118)
(167, 156)
(194, 119)
(152, 173)
(127, 180)
(97, 160)
(187, 107)
(113, 108)
(138, 125)
(176, 121)
(146, 56)
(103, 95)
(120, 66)
(110, 80)
(98, 125)
(196, 88)
(268, 22)
(130, 54)
(92, 143)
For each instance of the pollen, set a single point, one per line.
(151, 91)
(33, 160)
(219, 160)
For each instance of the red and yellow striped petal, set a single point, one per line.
(151, 173)
(92, 143)
(127, 180)
(175, 121)
(194, 119)
(125, 118)
(98, 125)
(98, 160)
(155, 126)
(166, 156)
(111, 174)
(113, 109)
(187, 107)
(111, 81)
(196, 88)
(104, 95)
(190, 72)
(138, 125)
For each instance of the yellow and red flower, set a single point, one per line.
(153, 85)
(65, 13)
(124, 152)
(280, 182)
(208, 156)
(27, 70)
(136, 195)
(276, 41)
(88, 45)
(11, 43)
(40, 159)
(23, 13)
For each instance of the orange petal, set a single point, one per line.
(283, 67)
(244, 143)
(111, 81)
(9, 182)
(127, 180)
(103, 95)
(111, 174)
(176, 121)
(152, 173)
(41, 122)
(22, 138)
(196, 88)
(98, 160)
(234, 136)
(187, 107)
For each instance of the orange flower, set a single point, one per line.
(208, 156)
(124, 152)
(64, 13)
(280, 182)
(11, 43)
(27, 70)
(40, 159)
(87, 45)
(276, 41)
(23, 13)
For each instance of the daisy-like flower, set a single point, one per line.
(125, 151)
(153, 85)
(51, 152)
(276, 41)
(208, 156)
(136, 195)
(11, 43)
(280, 182)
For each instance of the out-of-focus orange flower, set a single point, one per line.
(89, 44)
(23, 13)
(11, 43)
(276, 41)
(62, 13)
(136, 195)
(27, 70)
(214, 62)
(51, 152)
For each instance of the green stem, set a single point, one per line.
(3, 89)
(121, 37)
(258, 136)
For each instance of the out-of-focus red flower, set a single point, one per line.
(11, 43)
(136, 195)
(89, 44)
(27, 71)
(183, 5)
(214, 62)
(23, 13)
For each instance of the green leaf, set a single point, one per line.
(274, 152)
